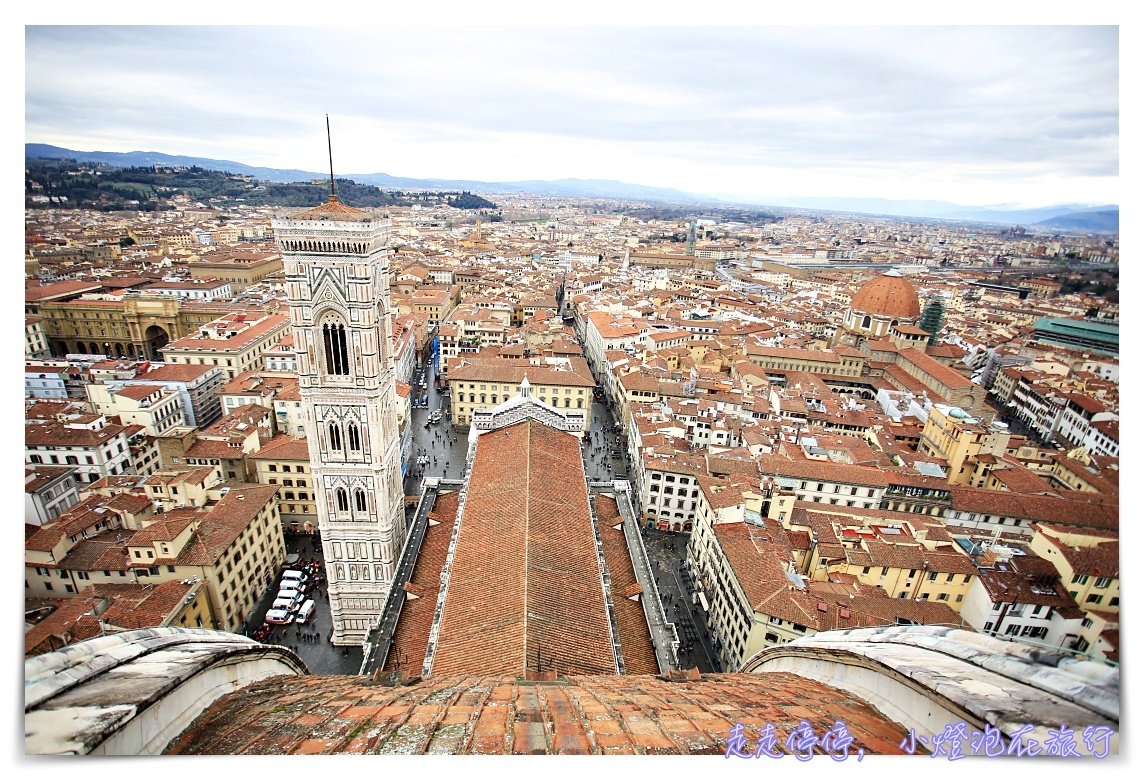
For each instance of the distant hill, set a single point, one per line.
(576, 188)
(1085, 221)
(1000, 214)
(939, 209)
(89, 184)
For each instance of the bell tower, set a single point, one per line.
(335, 261)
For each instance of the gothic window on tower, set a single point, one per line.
(342, 500)
(353, 437)
(335, 436)
(334, 343)
(359, 500)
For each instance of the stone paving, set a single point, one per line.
(447, 444)
(667, 551)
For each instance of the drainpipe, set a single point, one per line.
(1004, 611)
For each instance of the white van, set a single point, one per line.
(283, 603)
(292, 575)
(305, 612)
(289, 593)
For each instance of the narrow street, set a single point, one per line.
(666, 550)
(444, 447)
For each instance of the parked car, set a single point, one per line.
(278, 617)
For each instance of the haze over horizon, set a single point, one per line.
(977, 116)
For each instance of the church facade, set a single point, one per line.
(335, 260)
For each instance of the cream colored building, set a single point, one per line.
(483, 383)
(235, 547)
(234, 343)
(951, 433)
(285, 461)
(154, 407)
(35, 340)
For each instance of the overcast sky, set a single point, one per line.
(973, 115)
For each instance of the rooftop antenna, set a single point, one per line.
(330, 147)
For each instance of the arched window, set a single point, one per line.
(866, 321)
(334, 342)
(335, 436)
(353, 437)
(359, 500)
(567, 402)
(342, 500)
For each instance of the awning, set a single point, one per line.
(703, 602)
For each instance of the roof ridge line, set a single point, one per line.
(527, 519)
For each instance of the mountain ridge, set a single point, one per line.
(611, 189)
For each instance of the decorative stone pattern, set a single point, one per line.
(335, 260)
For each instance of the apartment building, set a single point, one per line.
(1088, 563)
(44, 380)
(745, 570)
(177, 488)
(234, 343)
(481, 383)
(153, 407)
(88, 442)
(48, 492)
(196, 385)
(949, 432)
(285, 461)
(280, 394)
(240, 269)
(1018, 595)
(827, 482)
(235, 547)
(35, 339)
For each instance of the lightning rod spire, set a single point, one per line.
(330, 146)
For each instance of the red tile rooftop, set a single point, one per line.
(524, 580)
(594, 715)
(635, 641)
(411, 637)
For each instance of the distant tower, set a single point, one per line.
(932, 317)
(691, 239)
(335, 261)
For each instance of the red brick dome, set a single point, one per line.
(888, 295)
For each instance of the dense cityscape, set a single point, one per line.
(562, 440)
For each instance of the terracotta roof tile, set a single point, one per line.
(411, 637)
(524, 579)
(499, 715)
(635, 639)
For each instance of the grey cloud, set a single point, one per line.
(1045, 97)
